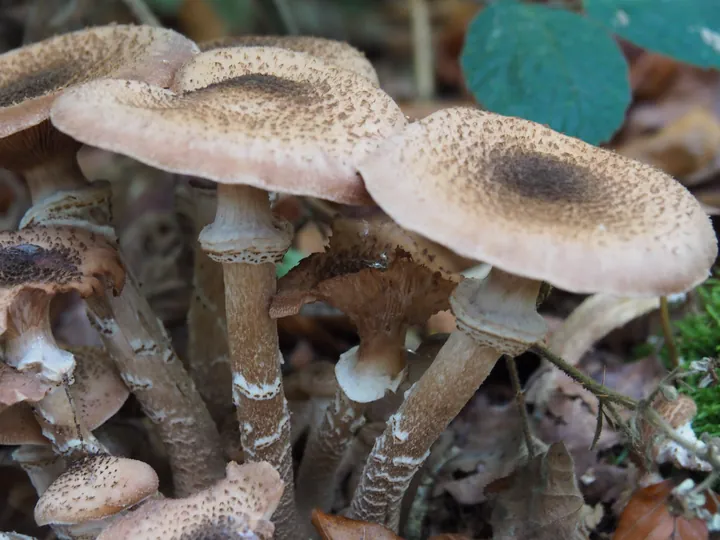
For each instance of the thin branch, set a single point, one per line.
(423, 52)
(520, 400)
(601, 392)
(142, 12)
(667, 332)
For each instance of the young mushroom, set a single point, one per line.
(31, 80)
(207, 334)
(239, 506)
(537, 205)
(383, 279)
(94, 491)
(35, 265)
(252, 120)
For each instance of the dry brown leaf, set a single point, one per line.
(647, 517)
(341, 528)
(541, 500)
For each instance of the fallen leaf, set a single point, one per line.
(541, 500)
(341, 528)
(647, 517)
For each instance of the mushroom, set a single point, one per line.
(207, 332)
(239, 506)
(40, 463)
(252, 120)
(94, 491)
(31, 80)
(537, 205)
(35, 265)
(383, 280)
(16, 386)
(337, 53)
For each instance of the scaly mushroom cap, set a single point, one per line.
(542, 205)
(16, 386)
(98, 391)
(337, 53)
(94, 488)
(55, 260)
(19, 426)
(262, 116)
(377, 274)
(32, 77)
(238, 506)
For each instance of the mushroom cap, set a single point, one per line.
(375, 272)
(17, 386)
(267, 117)
(32, 77)
(238, 505)
(19, 426)
(98, 391)
(542, 205)
(337, 53)
(55, 260)
(94, 488)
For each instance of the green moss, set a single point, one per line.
(698, 336)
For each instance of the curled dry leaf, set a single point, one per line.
(341, 528)
(647, 517)
(540, 500)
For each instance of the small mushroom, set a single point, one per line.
(537, 205)
(239, 506)
(336, 53)
(93, 491)
(383, 279)
(31, 80)
(252, 119)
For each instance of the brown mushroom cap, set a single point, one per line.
(266, 117)
(94, 488)
(55, 260)
(19, 426)
(337, 53)
(32, 77)
(235, 507)
(542, 205)
(16, 386)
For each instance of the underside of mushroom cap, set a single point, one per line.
(55, 260)
(32, 77)
(337, 53)
(542, 205)
(94, 488)
(238, 506)
(19, 426)
(267, 117)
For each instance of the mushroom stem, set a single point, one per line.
(495, 316)
(41, 465)
(248, 240)
(29, 343)
(134, 337)
(138, 343)
(452, 379)
(324, 451)
(208, 361)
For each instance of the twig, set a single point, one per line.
(667, 332)
(601, 392)
(423, 51)
(520, 400)
(142, 12)
(286, 17)
(706, 453)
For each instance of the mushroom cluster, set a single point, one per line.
(242, 120)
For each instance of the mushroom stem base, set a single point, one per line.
(325, 449)
(449, 383)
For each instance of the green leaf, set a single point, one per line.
(688, 30)
(547, 65)
(290, 261)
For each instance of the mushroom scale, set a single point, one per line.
(44, 69)
(537, 203)
(337, 53)
(262, 116)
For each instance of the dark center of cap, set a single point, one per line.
(544, 178)
(269, 85)
(28, 263)
(36, 84)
